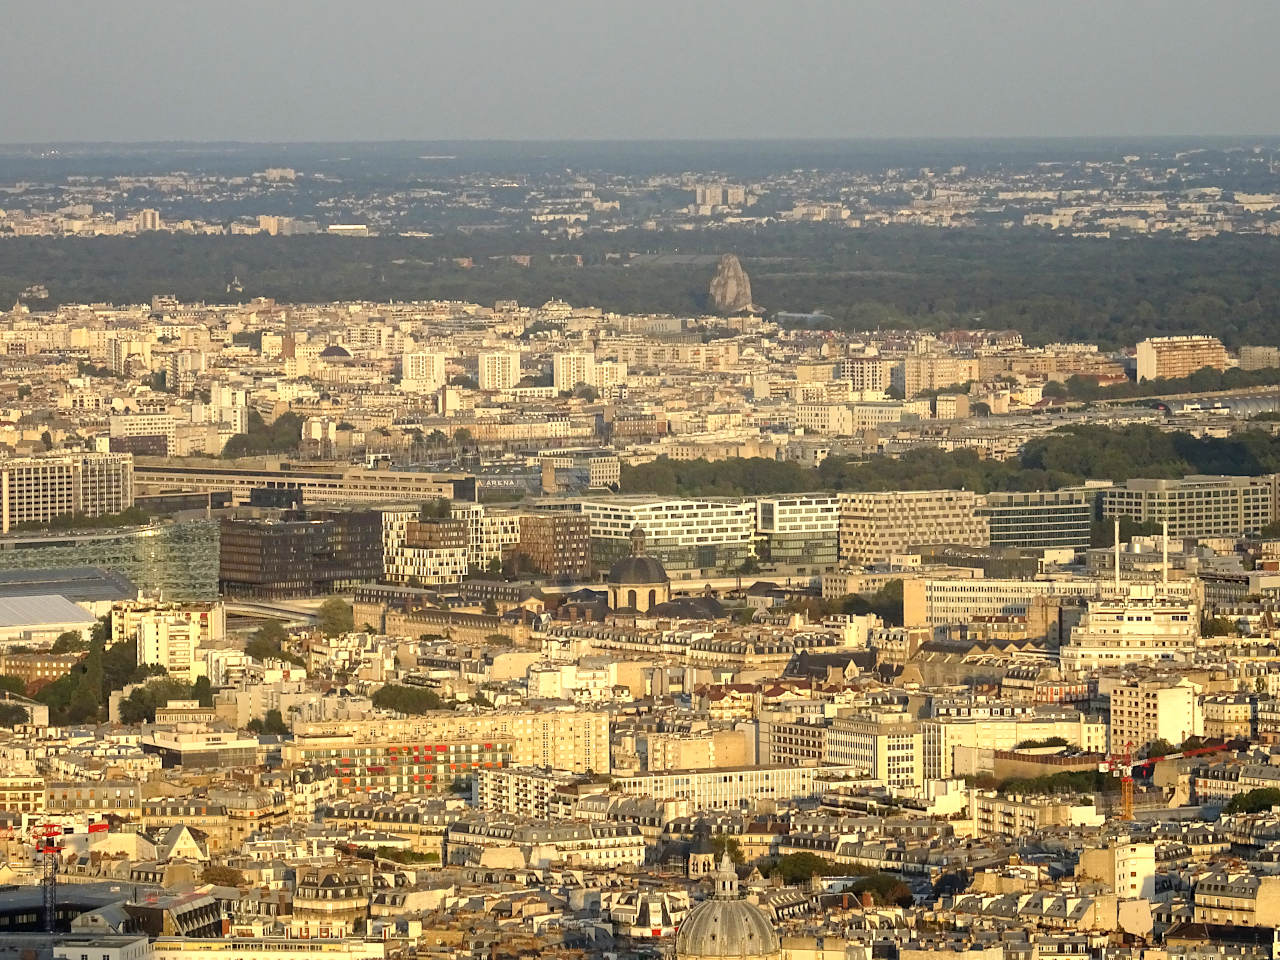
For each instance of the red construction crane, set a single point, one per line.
(1123, 765)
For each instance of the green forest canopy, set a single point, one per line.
(1066, 457)
(1110, 291)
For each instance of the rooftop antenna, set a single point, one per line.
(1117, 548)
(1164, 559)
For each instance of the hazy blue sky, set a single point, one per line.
(549, 69)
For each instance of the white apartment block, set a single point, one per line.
(876, 526)
(37, 489)
(887, 747)
(1116, 633)
(208, 619)
(735, 788)
(146, 425)
(499, 371)
(828, 419)
(1147, 710)
(942, 735)
(802, 513)
(685, 522)
(693, 530)
(570, 369)
(610, 375)
(518, 791)
(939, 602)
(1197, 506)
(865, 374)
(422, 372)
(1178, 356)
(173, 643)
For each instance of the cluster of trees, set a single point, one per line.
(1205, 380)
(885, 603)
(282, 435)
(221, 875)
(81, 696)
(1046, 742)
(267, 643)
(1069, 781)
(1067, 456)
(1254, 801)
(885, 889)
(410, 700)
(129, 517)
(334, 618)
(141, 704)
(272, 724)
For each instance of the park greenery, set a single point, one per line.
(143, 701)
(1045, 742)
(334, 618)
(267, 643)
(1065, 457)
(129, 517)
(81, 696)
(1205, 380)
(281, 436)
(408, 700)
(885, 889)
(1253, 801)
(1066, 782)
(885, 603)
(272, 724)
(12, 715)
(221, 875)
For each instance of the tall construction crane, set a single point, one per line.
(47, 837)
(1123, 765)
(45, 840)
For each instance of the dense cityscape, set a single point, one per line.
(639, 482)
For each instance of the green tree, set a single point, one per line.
(490, 607)
(1253, 801)
(334, 617)
(267, 643)
(222, 876)
(15, 685)
(1160, 747)
(202, 690)
(408, 700)
(12, 714)
(69, 641)
(1217, 627)
(272, 724)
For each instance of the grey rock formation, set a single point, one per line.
(730, 287)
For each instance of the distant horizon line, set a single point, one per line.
(876, 138)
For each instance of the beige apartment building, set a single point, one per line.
(1197, 506)
(37, 489)
(1170, 357)
(876, 526)
(1147, 710)
(428, 754)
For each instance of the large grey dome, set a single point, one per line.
(726, 926)
(638, 569)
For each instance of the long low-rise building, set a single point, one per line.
(737, 788)
(343, 484)
(937, 602)
(428, 754)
